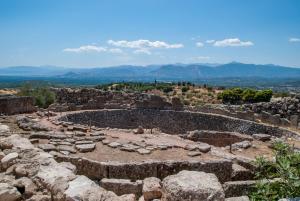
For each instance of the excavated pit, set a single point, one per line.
(169, 121)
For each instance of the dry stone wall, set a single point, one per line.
(140, 170)
(83, 99)
(170, 121)
(16, 105)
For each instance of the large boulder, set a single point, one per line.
(19, 142)
(192, 186)
(78, 187)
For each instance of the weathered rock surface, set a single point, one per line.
(262, 137)
(85, 147)
(192, 186)
(7, 160)
(122, 186)
(242, 198)
(9, 192)
(152, 189)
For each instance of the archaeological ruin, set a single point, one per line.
(94, 145)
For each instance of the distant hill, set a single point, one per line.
(191, 72)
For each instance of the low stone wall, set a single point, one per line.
(170, 121)
(16, 105)
(140, 170)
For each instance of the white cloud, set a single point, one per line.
(116, 50)
(199, 44)
(142, 51)
(294, 40)
(144, 44)
(210, 41)
(86, 48)
(232, 42)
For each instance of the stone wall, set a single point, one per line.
(170, 121)
(282, 111)
(16, 105)
(89, 98)
(140, 170)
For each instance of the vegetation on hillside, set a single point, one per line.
(279, 178)
(43, 96)
(238, 95)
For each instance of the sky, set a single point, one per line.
(102, 33)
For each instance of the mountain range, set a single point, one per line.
(170, 72)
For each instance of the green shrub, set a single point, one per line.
(279, 178)
(232, 96)
(263, 96)
(184, 89)
(248, 95)
(43, 96)
(237, 95)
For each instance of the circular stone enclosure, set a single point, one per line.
(170, 121)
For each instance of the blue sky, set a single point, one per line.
(90, 33)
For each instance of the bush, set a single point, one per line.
(184, 89)
(237, 95)
(43, 96)
(232, 96)
(263, 96)
(280, 178)
(248, 95)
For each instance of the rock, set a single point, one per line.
(5, 145)
(238, 188)
(27, 184)
(203, 147)
(52, 171)
(66, 148)
(114, 144)
(69, 166)
(140, 130)
(129, 147)
(21, 171)
(4, 128)
(240, 173)
(2, 155)
(194, 153)
(47, 147)
(191, 147)
(192, 186)
(19, 142)
(262, 137)
(122, 186)
(242, 198)
(242, 145)
(105, 142)
(97, 134)
(8, 192)
(9, 159)
(78, 187)
(151, 188)
(39, 197)
(83, 142)
(143, 151)
(34, 141)
(101, 194)
(85, 147)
